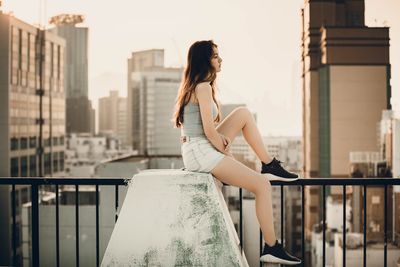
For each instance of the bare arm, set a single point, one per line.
(204, 96)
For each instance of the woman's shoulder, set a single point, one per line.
(203, 86)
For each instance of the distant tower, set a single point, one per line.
(79, 108)
(112, 116)
(346, 85)
(152, 90)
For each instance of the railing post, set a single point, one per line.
(97, 228)
(241, 218)
(365, 227)
(116, 202)
(385, 226)
(261, 245)
(323, 224)
(282, 215)
(57, 228)
(14, 226)
(302, 227)
(344, 226)
(77, 224)
(35, 225)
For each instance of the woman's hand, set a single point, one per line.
(227, 145)
(226, 141)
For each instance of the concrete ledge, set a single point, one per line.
(174, 218)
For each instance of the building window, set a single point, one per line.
(61, 161)
(19, 49)
(47, 163)
(52, 60)
(58, 61)
(24, 143)
(55, 162)
(24, 166)
(14, 167)
(32, 142)
(14, 143)
(55, 141)
(32, 166)
(47, 142)
(29, 52)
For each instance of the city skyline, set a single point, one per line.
(243, 32)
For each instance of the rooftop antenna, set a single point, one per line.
(42, 14)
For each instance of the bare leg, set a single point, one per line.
(241, 119)
(237, 174)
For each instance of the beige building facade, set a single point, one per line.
(32, 117)
(152, 90)
(346, 85)
(112, 116)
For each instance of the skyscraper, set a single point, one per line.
(152, 89)
(79, 107)
(112, 116)
(32, 116)
(346, 85)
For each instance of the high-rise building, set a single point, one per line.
(346, 85)
(152, 90)
(112, 116)
(79, 107)
(32, 108)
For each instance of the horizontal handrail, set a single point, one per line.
(64, 181)
(341, 181)
(124, 181)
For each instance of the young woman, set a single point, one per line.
(206, 147)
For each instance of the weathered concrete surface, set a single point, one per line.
(174, 218)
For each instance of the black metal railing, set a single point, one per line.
(34, 183)
(344, 182)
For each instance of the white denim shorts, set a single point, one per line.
(199, 155)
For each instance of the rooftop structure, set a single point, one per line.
(64, 19)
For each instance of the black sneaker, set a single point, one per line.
(276, 172)
(277, 254)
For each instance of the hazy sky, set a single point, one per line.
(259, 42)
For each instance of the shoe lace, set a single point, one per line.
(280, 162)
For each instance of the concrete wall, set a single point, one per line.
(174, 218)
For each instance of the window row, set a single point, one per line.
(33, 142)
(25, 54)
(28, 166)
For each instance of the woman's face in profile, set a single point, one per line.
(216, 60)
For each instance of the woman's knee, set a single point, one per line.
(263, 185)
(244, 111)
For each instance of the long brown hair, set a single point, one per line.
(198, 70)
